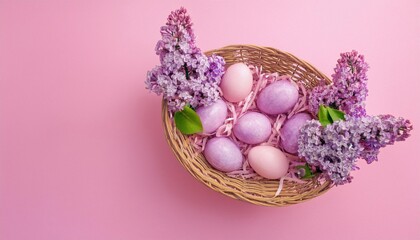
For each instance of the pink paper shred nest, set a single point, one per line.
(236, 110)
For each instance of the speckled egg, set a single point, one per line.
(278, 97)
(252, 128)
(289, 133)
(223, 154)
(212, 116)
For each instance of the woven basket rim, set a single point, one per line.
(256, 47)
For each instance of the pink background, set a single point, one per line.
(82, 150)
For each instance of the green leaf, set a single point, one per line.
(328, 115)
(308, 171)
(335, 114)
(323, 116)
(188, 121)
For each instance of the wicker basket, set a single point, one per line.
(253, 191)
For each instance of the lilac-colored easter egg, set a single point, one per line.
(236, 83)
(289, 133)
(252, 128)
(268, 162)
(278, 97)
(223, 154)
(212, 116)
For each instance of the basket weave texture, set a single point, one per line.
(259, 192)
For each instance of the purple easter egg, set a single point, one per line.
(223, 154)
(212, 116)
(278, 97)
(252, 128)
(289, 133)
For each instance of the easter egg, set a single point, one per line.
(289, 133)
(223, 154)
(212, 116)
(252, 128)
(236, 83)
(268, 162)
(278, 97)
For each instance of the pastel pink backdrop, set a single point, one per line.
(82, 150)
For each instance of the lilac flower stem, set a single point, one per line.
(187, 73)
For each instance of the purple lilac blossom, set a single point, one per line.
(334, 149)
(379, 131)
(349, 89)
(186, 75)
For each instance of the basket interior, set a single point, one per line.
(260, 192)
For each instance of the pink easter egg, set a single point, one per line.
(236, 83)
(268, 162)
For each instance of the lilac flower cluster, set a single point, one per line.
(186, 75)
(349, 89)
(334, 149)
(379, 131)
